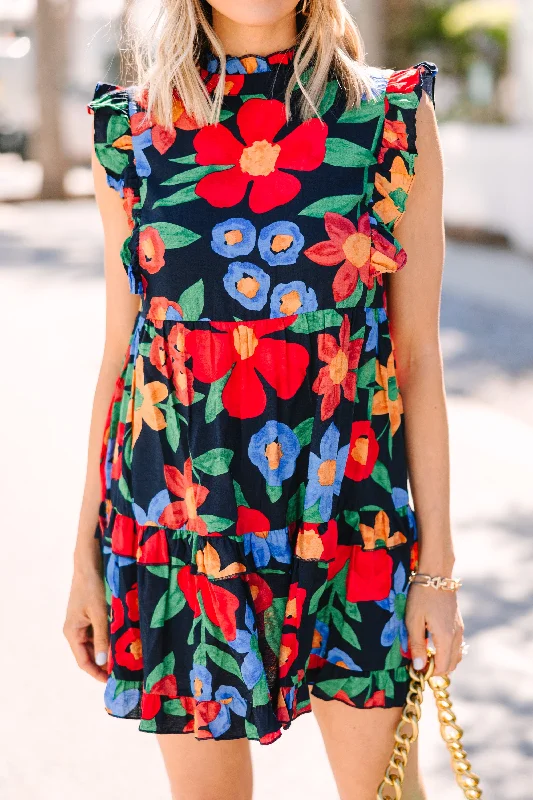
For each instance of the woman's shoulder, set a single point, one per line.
(409, 82)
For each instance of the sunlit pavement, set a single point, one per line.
(56, 741)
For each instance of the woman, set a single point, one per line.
(250, 494)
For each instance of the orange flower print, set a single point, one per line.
(380, 534)
(184, 512)
(143, 406)
(400, 182)
(394, 137)
(151, 250)
(341, 358)
(388, 399)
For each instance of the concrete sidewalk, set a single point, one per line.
(56, 740)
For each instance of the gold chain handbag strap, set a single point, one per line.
(450, 731)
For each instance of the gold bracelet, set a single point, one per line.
(437, 582)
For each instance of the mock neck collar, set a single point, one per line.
(250, 63)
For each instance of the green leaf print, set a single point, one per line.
(144, 349)
(366, 375)
(346, 631)
(340, 203)
(352, 609)
(124, 490)
(240, 499)
(148, 725)
(304, 431)
(313, 603)
(328, 98)
(166, 667)
(190, 159)
(111, 158)
(394, 656)
(316, 321)
(214, 462)
(342, 153)
(173, 235)
(127, 449)
(174, 708)
(173, 426)
(186, 195)
(117, 126)
(380, 474)
(295, 506)
(251, 730)
(224, 660)
(194, 174)
(384, 681)
(403, 100)
(162, 571)
(401, 673)
(352, 518)
(214, 405)
(365, 112)
(312, 514)
(245, 97)
(260, 694)
(216, 524)
(274, 493)
(191, 301)
(355, 686)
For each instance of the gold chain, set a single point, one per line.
(451, 732)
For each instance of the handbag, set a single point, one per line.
(450, 731)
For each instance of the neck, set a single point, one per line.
(260, 40)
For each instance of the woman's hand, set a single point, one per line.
(438, 611)
(86, 625)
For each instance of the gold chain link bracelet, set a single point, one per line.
(436, 581)
(467, 780)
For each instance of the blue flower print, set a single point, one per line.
(280, 243)
(234, 237)
(320, 638)
(342, 659)
(158, 503)
(325, 472)
(229, 698)
(139, 143)
(292, 298)
(201, 682)
(113, 569)
(373, 317)
(246, 642)
(123, 703)
(234, 65)
(248, 284)
(266, 543)
(136, 334)
(400, 498)
(395, 603)
(274, 450)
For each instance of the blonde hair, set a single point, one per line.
(166, 56)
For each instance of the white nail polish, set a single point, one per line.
(418, 662)
(101, 659)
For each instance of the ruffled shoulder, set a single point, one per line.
(113, 143)
(397, 151)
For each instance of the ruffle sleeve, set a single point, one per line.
(395, 170)
(114, 149)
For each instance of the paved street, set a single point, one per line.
(56, 740)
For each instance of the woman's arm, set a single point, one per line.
(87, 598)
(413, 303)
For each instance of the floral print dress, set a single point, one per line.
(255, 522)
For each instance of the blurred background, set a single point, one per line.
(56, 740)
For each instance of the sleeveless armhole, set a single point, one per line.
(396, 158)
(113, 146)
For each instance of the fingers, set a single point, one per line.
(417, 642)
(82, 641)
(100, 637)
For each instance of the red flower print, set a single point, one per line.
(132, 601)
(342, 555)
(249, 520)
(184, 512)
(342, 695)
(151, 249)
(288, 652)
(295, 604)
(245, 347)
(155, 549)
(162, 138)
(130, 199)
(232, 85)
(167, 686)
(159, 306)
(181, 375)
(341, 358)
(394, 137)
(413, 564)
(150, 705)
(403, 81)
(369, 575)
(219, 603)
(377, 699)
(124, 541)
(363, 451)
(116, 467)
(261, 592)
(128, 650)
(259, 159)
(311, 545)
(365, 254)
(117, 614)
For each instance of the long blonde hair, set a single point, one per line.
(166, 56)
